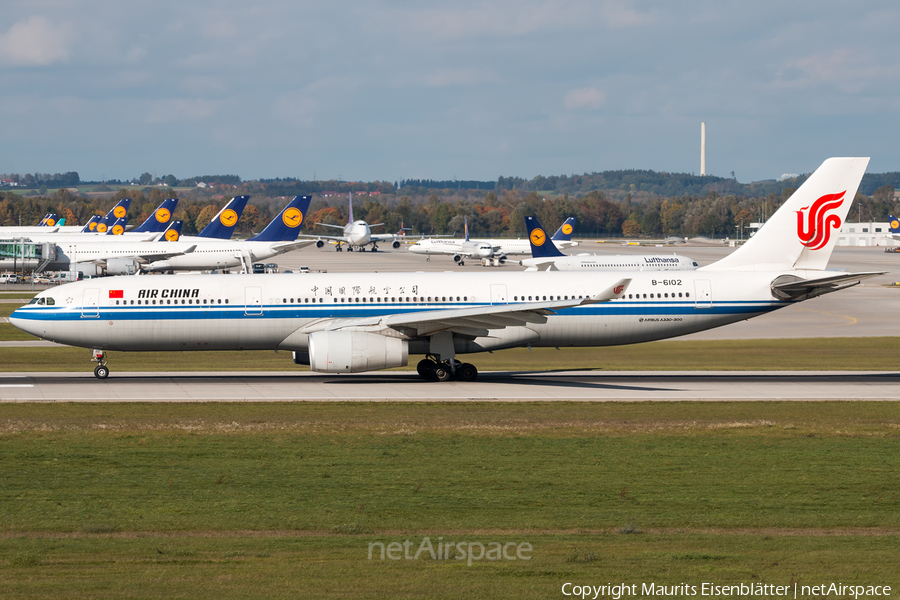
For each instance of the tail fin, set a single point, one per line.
(61, 222)
(564, 233)
(223, 224)
(118, 227)
(118, 211)
(894, 224)
(49, 220)
(802, 233)
(541, 245)
(286, 226)
(351, 207)
(466, 222)
(172, 232)
(160, 219)
(91, 225)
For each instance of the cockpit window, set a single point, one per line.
(34, 301)
(51, 302)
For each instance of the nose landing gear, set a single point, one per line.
(101, 371)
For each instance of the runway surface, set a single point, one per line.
(491, 386)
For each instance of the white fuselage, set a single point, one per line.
(217, 312)
(610, 262)
(499, 247)
(221, 254)
(465, 248)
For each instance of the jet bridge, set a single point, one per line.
(21, 254)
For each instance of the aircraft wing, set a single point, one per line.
(336, 238)
(150, 255)
(383, 237)
(791, 287)
(474, 321)
(341, 227)
(295, 245)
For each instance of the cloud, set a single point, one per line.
(35, 42)
(587, 98)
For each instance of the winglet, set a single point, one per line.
(613, 292)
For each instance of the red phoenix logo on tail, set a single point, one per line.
(815, 232)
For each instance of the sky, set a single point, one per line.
(389, 90)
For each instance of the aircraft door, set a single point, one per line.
(90, 307)
(253, 301)
(702, 294)
(498, 294)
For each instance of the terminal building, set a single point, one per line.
(23, 255)
(867, 234)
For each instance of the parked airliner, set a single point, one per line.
(500, 248)
(545, 256)
(354, 322)
(356, 234)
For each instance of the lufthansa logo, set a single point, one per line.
(50, 223)
(171, 235)
(101, 227)
(163, 215)
(118, 230)
(538, 237)
(567, 229)
(292, 217)
(895, 224)
(92, 226)
(228, 218)
(119, 212)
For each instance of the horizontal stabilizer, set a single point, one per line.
(791, 287)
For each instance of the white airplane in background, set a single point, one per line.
(545, 256)
(500, 247)
(357, 235)
(354, 322)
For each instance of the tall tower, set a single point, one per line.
(703, 148)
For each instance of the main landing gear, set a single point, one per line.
(101, 371)
(434, 370)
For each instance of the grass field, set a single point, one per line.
(283, 500)
(844, 354)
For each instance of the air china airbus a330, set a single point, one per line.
(353, 322)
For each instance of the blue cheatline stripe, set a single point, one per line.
(314, 311)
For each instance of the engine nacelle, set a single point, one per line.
(457, 258)
(122, 266)
(355, 352)
(395, 245)
(319, 243)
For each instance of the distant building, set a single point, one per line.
(866, 234)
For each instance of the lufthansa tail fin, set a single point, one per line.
(160, 219)
(564, 233)
(223, 224)
(49, 220)
(894, 224)
(118, 211)
(803, 232)
(118, 227)
(172, 232)
(91, 225)
(541, 245)
(286, 226)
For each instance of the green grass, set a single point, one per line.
(816, 354)
(237, 500)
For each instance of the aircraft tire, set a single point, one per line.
(466, 372)
(101, 371)
(424, 367)
(441, 373)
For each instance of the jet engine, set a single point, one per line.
(122, 266)
(395, 245)
(355, 352)
(457, 258)
(319, 243)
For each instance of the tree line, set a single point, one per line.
(489, 214)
